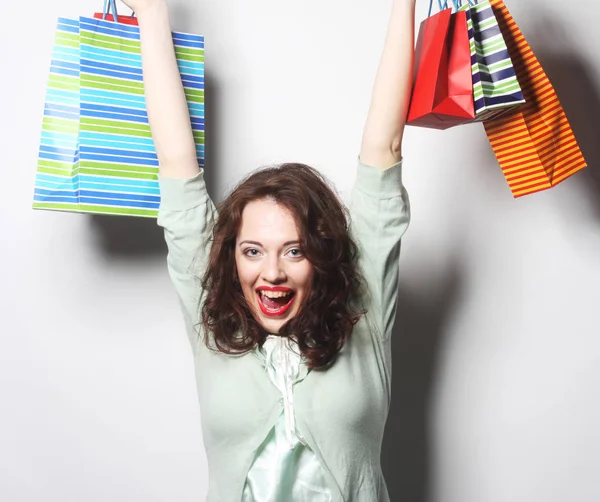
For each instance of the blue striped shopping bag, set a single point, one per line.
(496, 88)
(96, 151)
(58, 157)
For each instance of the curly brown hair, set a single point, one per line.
(332, 307)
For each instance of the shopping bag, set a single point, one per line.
(101, 157)
(496, 88)
(535, 146)
(121, 19)
(58, 155)
(116, 147)
(442, 94)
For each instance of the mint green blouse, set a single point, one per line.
(339, 413)
(285, 468)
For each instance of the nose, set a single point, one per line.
(273, 271)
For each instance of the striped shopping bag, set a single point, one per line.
(535, 146)
(56, 181)
(495, 85)
(101, 158)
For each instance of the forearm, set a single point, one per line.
(384, 127)
(166, 104)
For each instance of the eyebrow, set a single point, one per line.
(256, 243)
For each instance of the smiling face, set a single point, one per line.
(274, 273)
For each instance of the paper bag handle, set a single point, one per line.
(443, 6)
(108, 4)
(457, 5)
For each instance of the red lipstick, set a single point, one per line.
(273, 288)
(274, 312)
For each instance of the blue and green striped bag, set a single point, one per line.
(96, 152)
(495, 85)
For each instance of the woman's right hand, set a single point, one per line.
(138, 6)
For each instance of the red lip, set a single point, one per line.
(278, 312)
(273, 288)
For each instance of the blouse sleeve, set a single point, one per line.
(187, 215)
(380, 214)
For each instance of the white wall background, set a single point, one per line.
(497, 346)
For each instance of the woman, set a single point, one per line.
(292, 356)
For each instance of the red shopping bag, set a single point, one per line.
(442, 95)
(122, 19)
(112, 5)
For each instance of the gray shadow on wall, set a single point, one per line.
(417, 335)
(125, 236)
(578, 93)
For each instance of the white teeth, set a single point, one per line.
(275, 294)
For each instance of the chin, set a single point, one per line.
(272, 326)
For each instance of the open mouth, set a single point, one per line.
(275, 302)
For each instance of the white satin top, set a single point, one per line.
(285, 468)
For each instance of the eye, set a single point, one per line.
(296, 252)
(251, 252)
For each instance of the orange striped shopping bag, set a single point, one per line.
(535, 146)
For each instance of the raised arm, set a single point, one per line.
(379, 208)
(168, 113)
(186, 211)
(382, 136)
